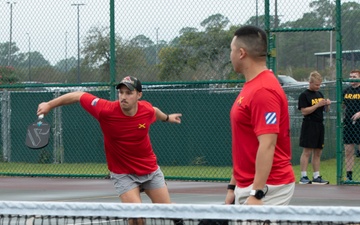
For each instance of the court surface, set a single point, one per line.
(102, 190)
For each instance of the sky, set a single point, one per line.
(51, 26)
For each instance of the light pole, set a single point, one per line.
(157, 45)
(29, 60)
(257, 20)
(66, 61)
(331, 24)
(276, 15)
(78, 37)
(9, 54)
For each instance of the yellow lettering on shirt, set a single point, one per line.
(352, 96)
(316, 101)
(141, 126)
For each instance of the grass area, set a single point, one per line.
(328, 171)
(87, 169)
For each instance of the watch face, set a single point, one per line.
(259, 194)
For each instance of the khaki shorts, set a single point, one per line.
(276, 195)
(126, 182)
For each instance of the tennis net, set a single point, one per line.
(76, 213)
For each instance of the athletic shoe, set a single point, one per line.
(305, 180)
(348, 180)
(357, 153)
(319, 180)
(178, 222)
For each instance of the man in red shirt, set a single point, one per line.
(125, 126)
(260, 124)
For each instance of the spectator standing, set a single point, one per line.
(351, 137)
(312, 105)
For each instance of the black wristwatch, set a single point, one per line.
(259, 194)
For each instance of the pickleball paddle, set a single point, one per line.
(38, 133)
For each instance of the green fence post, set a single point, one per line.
(267, 30)
(339, 161)
(112, 51)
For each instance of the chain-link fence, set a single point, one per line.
(325, 42)
(180, 51)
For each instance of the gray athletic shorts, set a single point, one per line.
(126, 182)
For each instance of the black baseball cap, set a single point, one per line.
(130, 82)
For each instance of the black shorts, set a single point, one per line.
(351, 134)
(312, 134)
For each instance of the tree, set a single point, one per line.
(214, 50)
(324, 11)
(149, 48)
(65, 65)
(15, 58)
(215, 22)
(173, 63)
(130, 60)
(295, 50)
(37, 60)
(20, 62)
(350, 25)
(18, 59)
(141, 41)
(46, 74)
(7, 75)
(260, 21)
(97, 48)
(206, 51)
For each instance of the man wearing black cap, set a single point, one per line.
(125, 125)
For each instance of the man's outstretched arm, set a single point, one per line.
(66, 99)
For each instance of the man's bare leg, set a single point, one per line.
(161, 195)
(133, 196)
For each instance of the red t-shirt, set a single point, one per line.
(126, 138)
(261, 108)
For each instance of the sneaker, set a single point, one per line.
(178, 222)
(305, 180)
(357, 153)
(348, 180)
(319, 180)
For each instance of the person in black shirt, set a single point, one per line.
(351, 137)
(312, 105)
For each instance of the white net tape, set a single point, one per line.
(184, 211)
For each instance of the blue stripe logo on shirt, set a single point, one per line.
(93, 103)
(270, 118)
